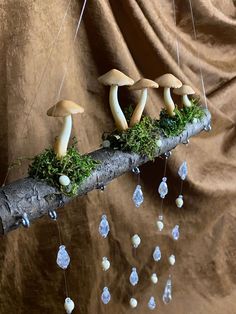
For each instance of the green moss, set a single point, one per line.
(173, 126)
(142, 137)
(46, 166)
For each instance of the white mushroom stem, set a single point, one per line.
(117, 113)
(137, 114)
(61, 144)
(186, 101)
(170, 106)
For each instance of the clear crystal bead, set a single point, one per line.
(163, 188)
(133, 277)
(106, 296)
(167, 292)
(175, 232)
(104, 227)
(157, 254)
(63, 258)
(138, 196)
(183, 170)
(152, 303)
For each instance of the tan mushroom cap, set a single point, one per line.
(64, 108)
(115, 77)
(184, 90)
(143, 83)
(168, 80)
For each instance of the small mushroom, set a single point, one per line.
(168, 81)
(65, 109)
(115, 78)
(184, 91)
(142, 84)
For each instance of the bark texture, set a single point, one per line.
(36, 198)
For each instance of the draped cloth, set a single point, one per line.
(139, 38)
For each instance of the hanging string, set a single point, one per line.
(176, 41)
(68, 60)
(46, 66)
(199, 63)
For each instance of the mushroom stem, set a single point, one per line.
(186, 101)
(170, 106)
(61, 143)
(117, 113)
(137, 114)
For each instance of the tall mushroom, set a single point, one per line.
(115, 78)
(168, 81)
(184, 91)
(142, 84)
(65, 109)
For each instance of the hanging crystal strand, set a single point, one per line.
(163, 191)
(138, 193)
(103, 230)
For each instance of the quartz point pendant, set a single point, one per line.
(152, 303)
(63, 258)
(183, 170)
(106, 296)
(104, 227)
(167, 292)
(138, 196)
(157, 254)
(133, 277)
(163, 188)
(175, 233)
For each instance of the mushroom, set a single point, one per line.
(142, 84)
(115, 78)
(169, 81)
(64, 108)
(184, 91)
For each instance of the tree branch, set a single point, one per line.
(36, 198)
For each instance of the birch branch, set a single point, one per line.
(35, 198)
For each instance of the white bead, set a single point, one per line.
(154, 278)
(160, 225)
(136, 241)
(69, 305)
(133, 303)
(106, 144)
(172, 260)
(179, 201)
(159, 143)
(64, 180)
(105, 264)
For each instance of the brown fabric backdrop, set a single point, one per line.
(137, 37)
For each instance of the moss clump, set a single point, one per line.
(173, 126)
(141, 138)
(46, 166)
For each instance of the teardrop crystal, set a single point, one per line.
(63, 258)
(175, 232)
(183, 170)
(152, 303)
(106, 296)
(133, 277)
(167, 297)
(104, 227)
(138, 196)
(157, 254)
(163, 188)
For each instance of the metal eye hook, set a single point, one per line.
(25, 221)
(52, 214)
